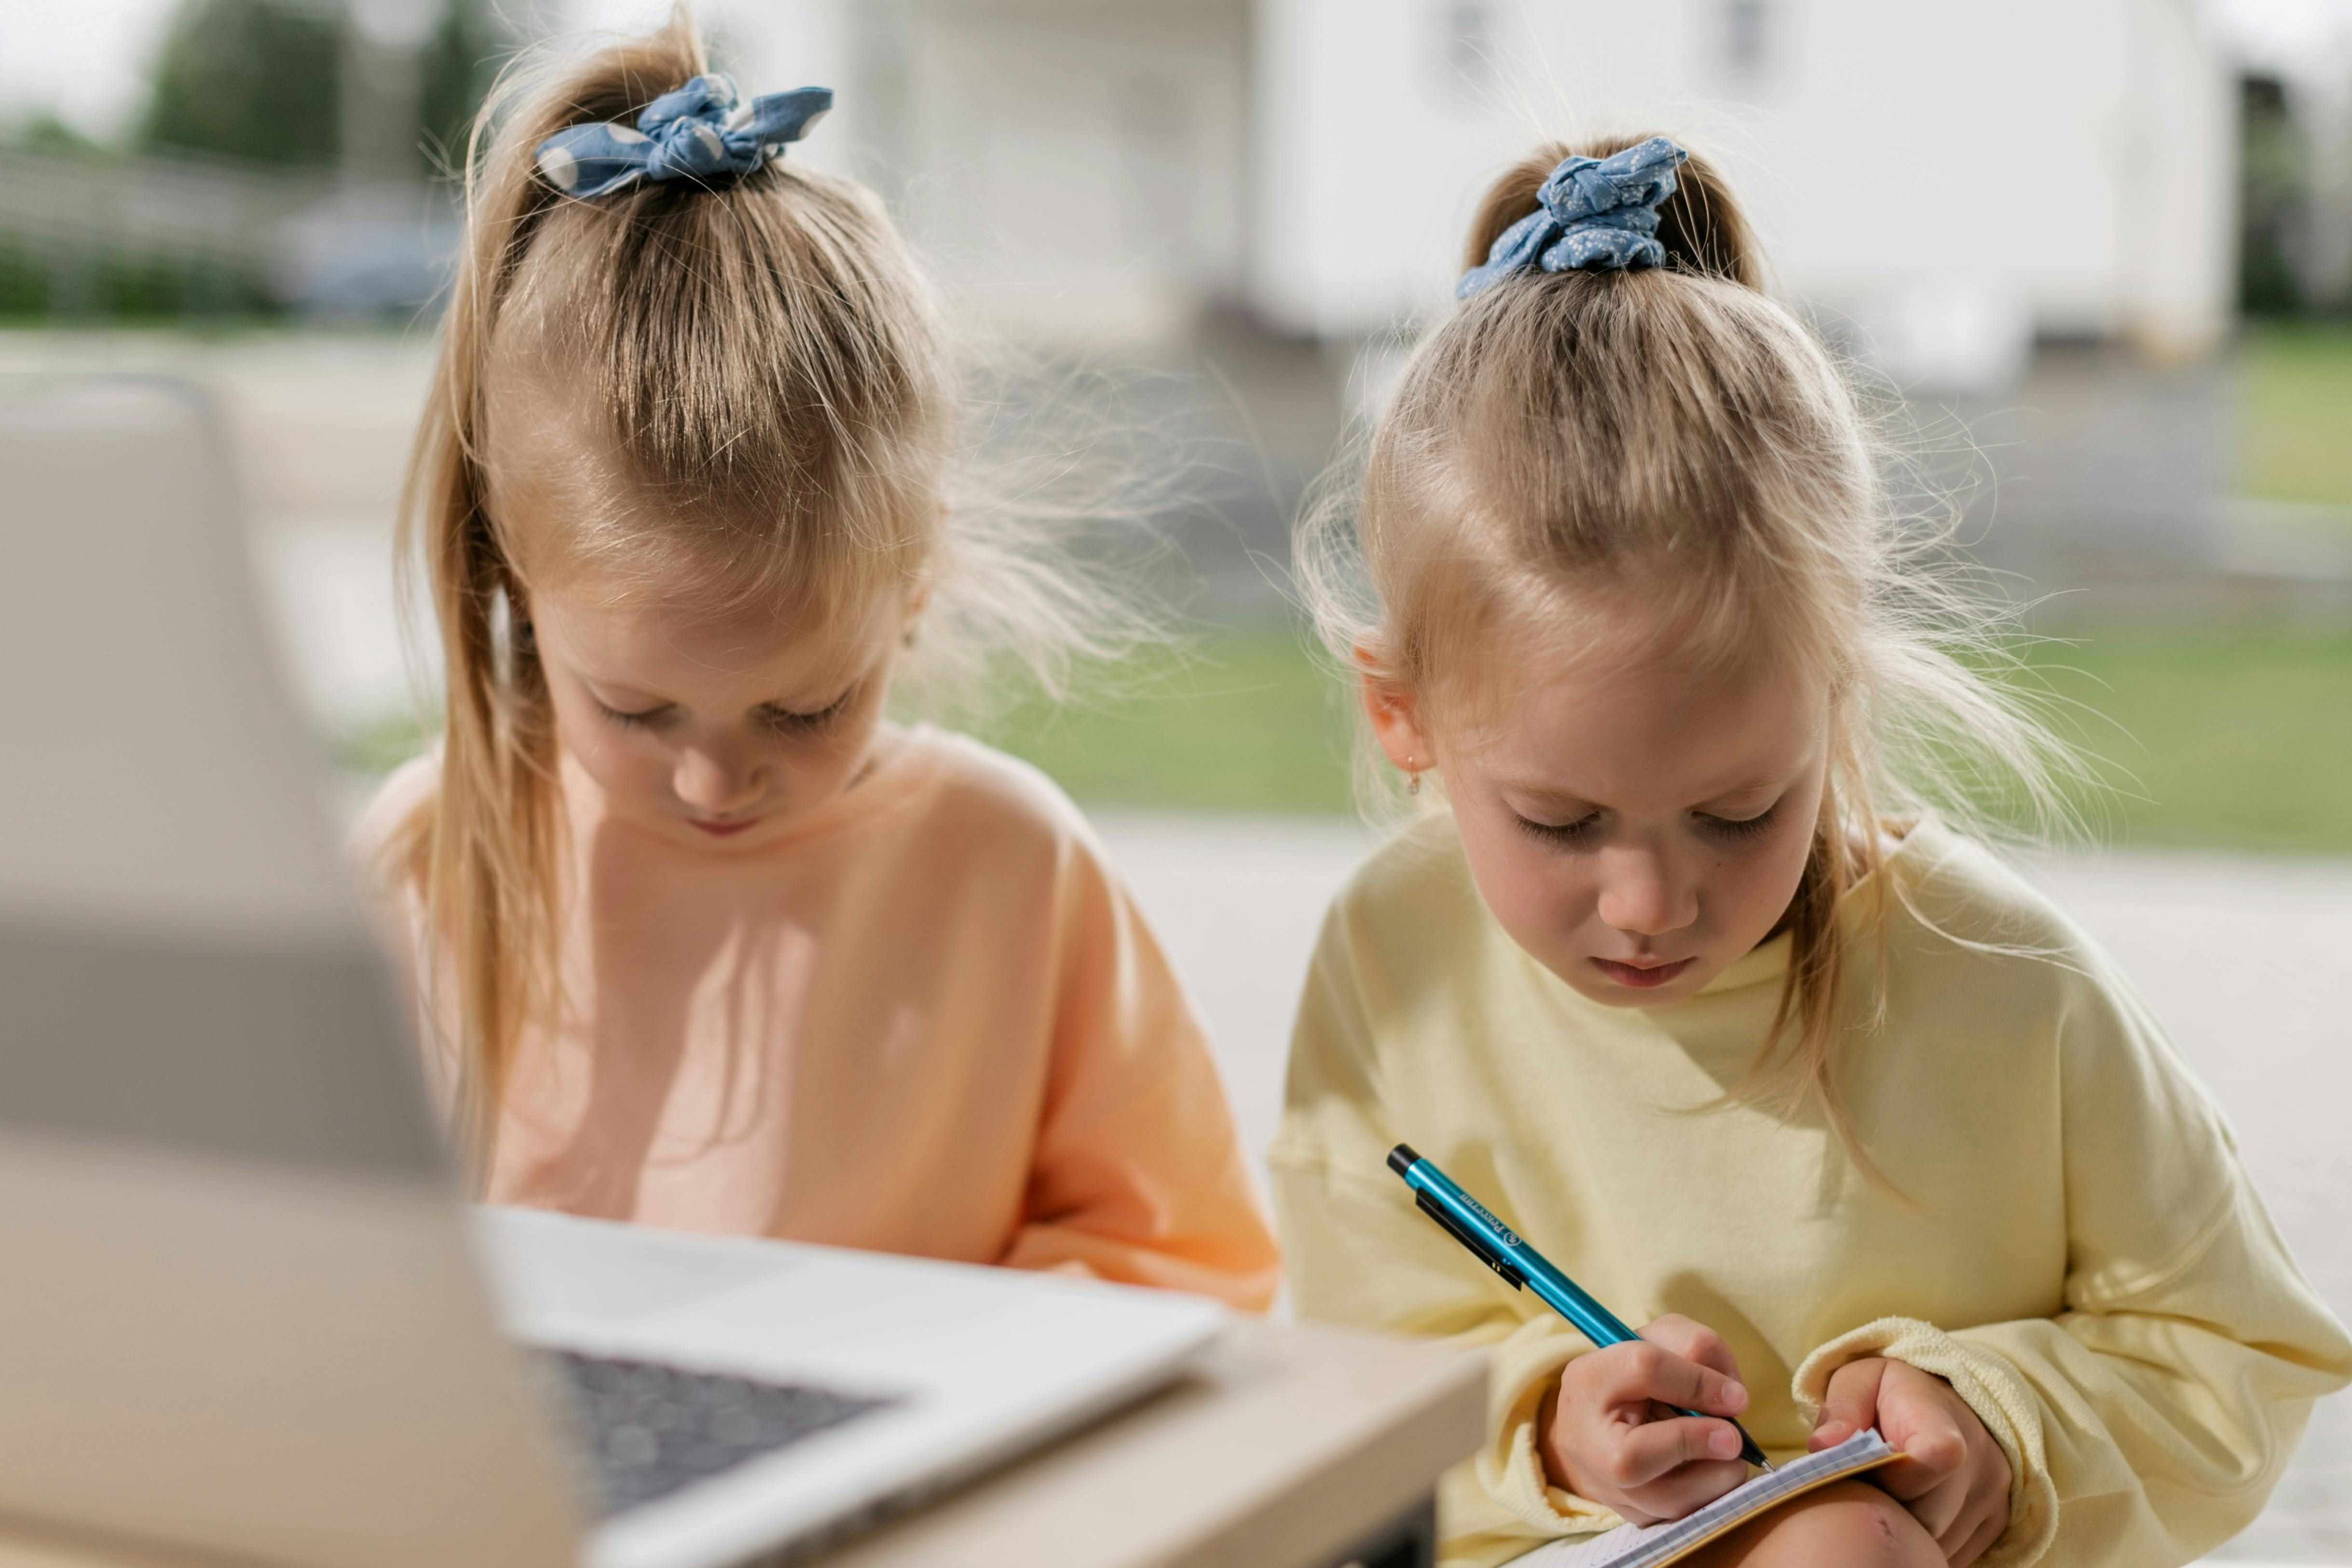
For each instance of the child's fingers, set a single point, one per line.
(1932, 1452)
(1693, 1340)
(1938, 1509)
(1655, 1448)
(1987, 1531)
(1638, 1370)
(1919, 1416)
(1850, 1402)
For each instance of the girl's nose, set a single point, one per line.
(1641, 893)
(717, 783)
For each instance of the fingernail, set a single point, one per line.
(1736, 1398)
(1723, 1443)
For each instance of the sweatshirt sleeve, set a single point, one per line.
(2148, 1420)
(1358, 1252)
(1137, 1176)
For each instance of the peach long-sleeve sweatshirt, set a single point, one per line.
(929, 1020)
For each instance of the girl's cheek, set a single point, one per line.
(1768, 880)
(620, 767)
(1534, 891)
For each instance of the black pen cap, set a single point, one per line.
(1402, 1158)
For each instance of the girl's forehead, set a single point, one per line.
(1648, 728)
(683, 644)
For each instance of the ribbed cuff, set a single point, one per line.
(1509, 1469)
(1990, 1387)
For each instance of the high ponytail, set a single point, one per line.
(482, 852)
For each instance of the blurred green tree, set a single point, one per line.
(262, 81)
(2273, 179)
(255, 79)
(461, 60)
(45, 133)
(25, 286)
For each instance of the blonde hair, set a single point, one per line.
(1676, 437)
(766, 365)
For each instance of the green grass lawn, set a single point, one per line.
(2295, 413)
(2217, 741)
(2241, 742)
(1231, 721)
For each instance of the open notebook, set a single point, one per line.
(1655, 1545)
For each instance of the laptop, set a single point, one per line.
(243, 1315)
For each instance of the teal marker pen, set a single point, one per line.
(1499, 1248)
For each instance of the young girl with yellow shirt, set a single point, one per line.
(705, 941)
(1689, 980)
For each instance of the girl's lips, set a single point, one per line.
(721, 830)
(1642, 977)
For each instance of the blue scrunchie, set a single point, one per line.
(694, 133)
(1594, 212)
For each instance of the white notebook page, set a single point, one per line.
(1653, 1545)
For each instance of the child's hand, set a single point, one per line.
(1955, 1479)
(1609, 1431)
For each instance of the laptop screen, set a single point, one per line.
(182, 959)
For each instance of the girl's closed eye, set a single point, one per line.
(1736, 827)
(1583, 830)
(642, 718)
(793, 721)
(773, 717)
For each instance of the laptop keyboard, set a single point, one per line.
(647, 1430)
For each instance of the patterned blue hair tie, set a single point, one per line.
(1594, 212)
(694, 133)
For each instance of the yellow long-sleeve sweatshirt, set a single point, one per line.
(2081, 1255)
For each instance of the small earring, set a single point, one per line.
(1412, 782)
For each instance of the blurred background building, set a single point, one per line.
(2095, 254)
(2040, 222)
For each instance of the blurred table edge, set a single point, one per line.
(1283, 1446)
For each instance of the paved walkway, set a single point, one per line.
(2249, 964)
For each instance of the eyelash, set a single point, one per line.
(643, 720)
(1582, 830)
(1744, 828)
(777, 721)
(784, 721)
(1561, 832)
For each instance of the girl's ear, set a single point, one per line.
(1395, 717)
(518, 606)
(919, 599)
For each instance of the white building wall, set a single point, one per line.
(2062, 163)
(1072, 169)
(1375, 123)
(2179, 272)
